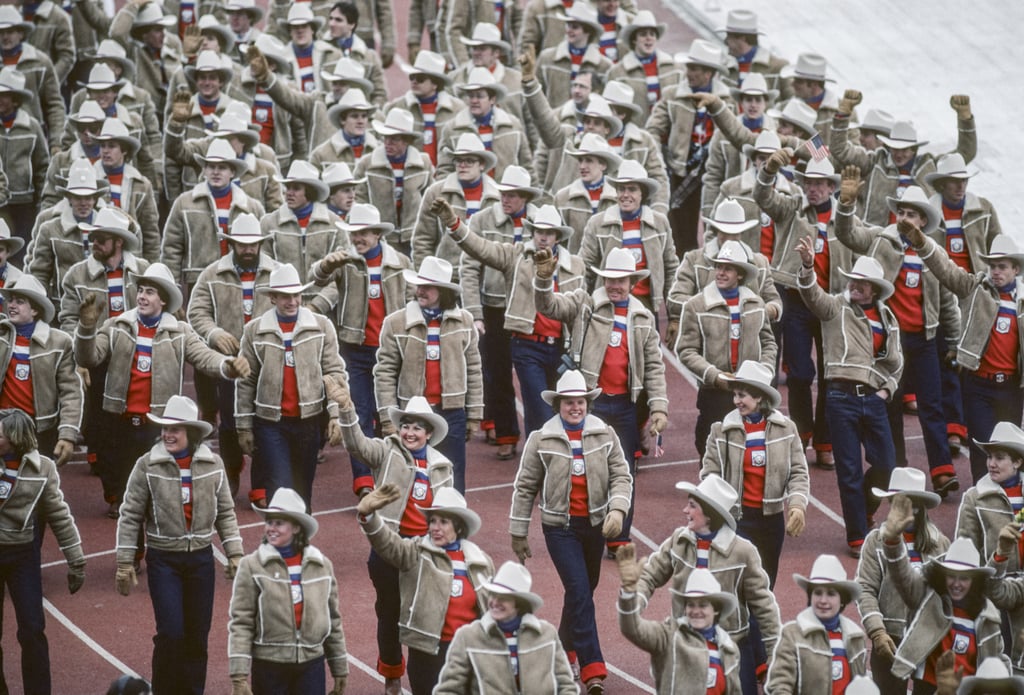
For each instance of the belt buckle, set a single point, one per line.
(136, 420)
(549, 339)
(860, 390)
(1000, 377)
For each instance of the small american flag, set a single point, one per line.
(817, 147)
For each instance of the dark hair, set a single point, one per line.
(164, 297)
(447, 298)
(348, 9)
(596, 79)
(129, 685)
(715, 521)
(935, 577)
(414, 420)
(460, 527)
(19, 429)
(844, 598)
(299, 540)
(751, 39)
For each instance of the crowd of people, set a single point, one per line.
(553, 204)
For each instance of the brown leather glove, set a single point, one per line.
(850, 185)
(63, 451)
(125, 578)
(89, 312)
(337, 390)
(528, 64)
(83, 373)
(947, 674)
(191, 41)
(1009, 539)
(231, 569)
(442, 209)
(612, 526)
(795, 522)
(224, 343)
(387, 57)
(333, 432)
(544, 263)
(913, 233)
(259, 66)
(672, 334)
(521, 547)
(378, 499)
(961, 103)
(629, 568)
(240, 685)
(181, 106)
(777, 160)
(657, 423)
(76, 577)
(472, 427)
(246, 441)
(901, 513)
(704, 100)
(883, 643)
(387, 428)
(851, 97)
(237, 368)
(414, 50)
(333, 261)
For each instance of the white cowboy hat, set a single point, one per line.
(433, 272)
(716, 493)
(430, 64)
(397, 122)
(182, 411)
(735, 254)
(209, 61)
(1005, 436)
(1003, 246)
(449, 502)
(352, 100)
(81, 179)
(902, 135)
(950, 166)
(30, 288)
(819, 169)
(13, 243)
(619, 94)
(644, 19)
(797, 113)
(487, 34)
(809, 66)
(418, 408)
(152, 14)
(758, 377)
(730, 218)
(593, 145)
(914, 196)
(482, 78)
(210, 24)
(620, 263)
(364, 217)
(305, 173)
(111, 50)
(963, 558)
(275, 51)
(862, 685)
(115, 130)
(516, 179)
(231, 126)
(11, 18)
(220, 151)
(598, 107)
(828, 571)
(338, 174)
(547, 217)
(582, 13)
(632, 171)
(514, 580)
(159, 275)
(287, 503)
(101, 77)
(740, 22)
(754, 84)
(350, 72)
(244, 229)
(701, 584)
(703, 53)
(571, 384)
(284, 279)
(89, 112)
(867, 268)
(908, 481)
(991, 676)
(470, 144)
(12, 81)
(301, 13)
(766, 143)
(111, 220)
(878, 121)
(249, 7)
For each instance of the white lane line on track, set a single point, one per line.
(366, 668)
(824, 509)
(89, 642)
(644, 538)
(629, 679)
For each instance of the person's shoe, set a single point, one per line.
(825, 460)
(114, 511)
(910, 407)
(956, 445)
(491, 436)
(855, 552)
(392, 686)
(506, 452)
(945, 484)
(595, 686)
(611, 553)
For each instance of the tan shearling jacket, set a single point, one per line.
(379, 189)
(216, 304)
(554, 69)
(803, 657)
(630, 71)
(90, 277)
(979, 223)
(287, 242)
(36, 496)
(26, 158)
(484, 285)
(671, 122)
(430, 238)
(573, 202)
(510, 143)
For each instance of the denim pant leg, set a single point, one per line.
(359, 362)
(454, 445)
(748, 666)
(499, 392)
(712, 405)
(985, 404)
(921, 374)
(881, 673)
(287, 451)
(273, 678)
(425, 668)
(227, 435)
(619, 412)
(952, 396)
(271, 461)
(577, 552)
(384, 578)
(767, 533)
(21, 571)
(537, 368)
(797, 343)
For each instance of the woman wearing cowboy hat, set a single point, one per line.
(285, 617)
(508, 650)
(951, 611)
(430, 349)
(178, 497)
(758, 450)
(441, 575)
(683, 647)
(821, 651)
(884, 614)
(574, 463)
(709, 540)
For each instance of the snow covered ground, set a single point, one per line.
(908, 58)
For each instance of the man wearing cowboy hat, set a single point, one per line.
(722, 326)
(86, 123)
(456, 21)
(697, 266)
(243, 16)
(303, 230)
(280, 411)
(144, 350)
(50, 32)
(900, 163)
(530, 342)
(792, 218)
(145, 31)
(369, 282)
(746, 55)
(685, 131)
(396, 176)
(257, 178)
(430, 348)
(558, 65)
(190, 240)
(616, 345)
(969, 222)
(921, 305)
(807, 80)
(226, 297)
(341, 188)
(309, 54)
(647, 69)
(427, 99)
(45, 103)
(863, 362)
(989, 351)
(590, 193)
(342, 23)
(500, 131)
(209, 34)
(487, 49)
(635, 225)
(26, 154)
(876, 123)
(37, 368)
(352, 139)
(469, 189)
(9, 246)
(631, 140)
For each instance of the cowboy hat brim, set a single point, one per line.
(724, 514)
(731, 227)
(769, 95)
(885, 288)
(635, 275)
(937, 175)
(364, 85)
(531, 191)
(237, 165)
(413, 278)
(286, 24)
(131, 242)
(650, 184)
(724, 603)
(564, 230)
(534, 600)
(309, 524)
(850, 588)
(171, 289)
(14, 243)
(933, 217)
(226, 74)
(322, 191)
(334, 113)
(438, 425)
(766, 390)
(1017, 448)
(46, 309)
(469, 518)
(411, 70)
(610, 157)
(380, 227)
(249, 137)
(130, 143)
(286, 289)
(931, 500)
(900, 144)
(489, 159)
(205, 429)
(550, 396)
(499, 90)
(383, 129)
(500, 44)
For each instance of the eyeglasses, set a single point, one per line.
(418, 78)
(466, 160)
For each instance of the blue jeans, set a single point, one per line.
(952, 396)
(21, 574)
(921, 377)
(227, 435)
(454, 445)
(181, 588)
(619, 413)
(856, 421)
(986, 403)
(359, 361)
(537, 368)
(384, 578)
(499, 392)
(126, 439)
(286, 454)
(801, 331)
(425, 668)
(272, 678)
(576, 552)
